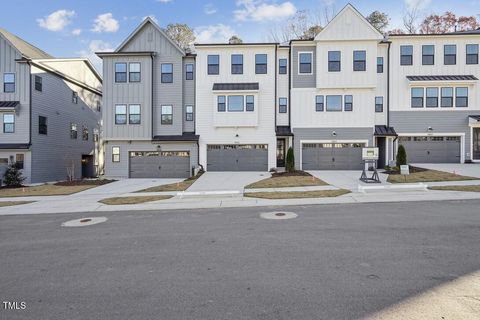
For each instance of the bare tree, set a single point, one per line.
(410, 19)
(379, 20)
(181, 33)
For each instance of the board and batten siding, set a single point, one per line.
(283, 87)
(188, 95)
(303, 80)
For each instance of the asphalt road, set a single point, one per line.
(332, 262)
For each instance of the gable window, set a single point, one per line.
(167, 115)
(8, 82)
(115, 154)
(38, 83)
(75, 97)
(120, 72)
(461, 97)
(99, 106)
(84, 133)
(134, 72)
(334, 103)
(235, 103)
(417, 97)
(378, 104)
(447, 98)
(221, 104)
(189, 113)
(450, 54)
(120, 114)
(334, 64)
(379, 64)
(189, 71)
(472, 54)
(282, 66)
(213, 62)
(260, 63)
(406, 55)
(250, 105)
(318, 103)
(305, 62)
(282, 105)
(167, 73)
(359, 60)
(428, 55)
(134, 115)
(73, 131)
(348, 103)
(8, 123)
(42, 125)
(237, 63)
(432, 98)
(20, 160)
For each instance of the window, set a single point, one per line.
(406, 55)
(447, 98)
(305, 62)
(189, 113)
(282, 105)
(461, 97)
(250, 106)
(9, 82)
(213, 62)
(73, 131)
(120, 72)
(84, 133)
(134, 115)
(334, 103)
(121, 114)
(378, 104)
(134, 73)
(348, 103)
(235, 103)
(95, 135)
(450, 54)
(318, 103)
(359, 60)
(472, 54)
(432, 98)
(428, 55)
(167, 115)
(417, 97)
(189, 71)
(20, 160)
(282, 66)
(379, 64)
(115, 154)
(8, 123)
(334, 64)
(74, 97)
(167, 73)
(260, 64)
(221, 104)
(99, 106)
(38, 83)
(237, 63)
(42, 125)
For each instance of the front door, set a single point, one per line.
(280, 153)
(476, 143)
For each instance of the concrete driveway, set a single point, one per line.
(226, 181)
(464, 169)
(125, 186)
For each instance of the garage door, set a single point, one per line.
(165, 164)
(248, 157)
(431, 149)
(332, 156)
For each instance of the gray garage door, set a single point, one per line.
(248, 157)
(165, 164)
(431, 149)
(332, 156)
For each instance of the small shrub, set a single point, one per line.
(401, 156)
(13, 176)
(290, 165)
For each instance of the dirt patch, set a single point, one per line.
(473, 188)
(426, 175)
(99, 182)
(133, 200)
(43, 190)
(297, 194)
(285, 180)
(13, 203)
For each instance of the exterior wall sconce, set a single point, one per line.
(334, 134)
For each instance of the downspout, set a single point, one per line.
(31, 111)
(290, 90)
(276, 93)
(388, 98)
(151, 94)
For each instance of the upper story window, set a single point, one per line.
(167, 73)
(472, 53)
(359, 60)
(95, 135)
(428, 55)
(282, 105)
(432, 98)
(334, 103)
(120, 114)
(282, 66)
(406, 55)
(237, 63)
(115, 154)
(167, 115)
(73, 131)
(334, 64)
(189, 71)
(450, 54)
(260, 63)
(318, 103)
(378, 104)
(221, 104)
(305, 62)
(84, 133)
(38, 83)
(348, 103)
(417, 97)
(134, 72)
(99, 105)
(189, 113)
(250, 103)
(8, 82)
(379, 64)
(235, 103)
(134, 115)
(447, 98)
(8, 123)
(461, 97)
(120, 72)
(74, 97)
(213, 62)
(42, 125)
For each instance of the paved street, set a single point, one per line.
(342, 261)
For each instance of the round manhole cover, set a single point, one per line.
(84, 222)
(279, 215)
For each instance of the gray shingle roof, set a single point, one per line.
(186, 136)
(385, 131)
(283, 131)
(442, 78)
(14, 145)
(476, 117)
(236, 86)
(8, 104)
(26, 49)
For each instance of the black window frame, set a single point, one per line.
(334, 65)
(348, 106)
(406, 59)
(122, 114)
(428, 59)
(134, 114)
(340, 103)
(261, 67)
(457, 98)
(282, 69)
(123, 79)
(188, 74)
(379, 104)
(73, 131)
(249, 105)
(42, 125)
(282, 105)
(379, 64)
(448, 56)
(74, 97)
(5, 124)
(236, 68)
(471, 58)
(360, 64)
(417, 98)
(319, 105)
(166, 77)
(38, 83)
(85, 133)
(213, 68)
(9, 84)
(431, 101)
(115, 154)
(134, 73)
(446, 101)
(166, 118)
(221, 106)
(188, 115)
(20, 163)
(305, 68)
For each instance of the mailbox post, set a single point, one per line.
(370, 156)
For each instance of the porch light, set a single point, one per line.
(334, 134)
(429, 129)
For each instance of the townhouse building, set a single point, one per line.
(50, 113)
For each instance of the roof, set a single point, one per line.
(384, 131)
(14, 145)
(26, 49)
(443, 78)
(467, 32)
(237, 44)
(9, 104)
(236, 86)
(283, 131)
(130, 53)
(186, 136)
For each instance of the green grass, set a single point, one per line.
(13, 203)
(297, 194)
(287, 180)
(133, 200)
(472, 188)
(427, 176)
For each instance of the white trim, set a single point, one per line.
(471, 142)
(298, 63)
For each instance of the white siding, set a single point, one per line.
(283, 87)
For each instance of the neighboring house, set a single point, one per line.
(49, 113)
(149, 107)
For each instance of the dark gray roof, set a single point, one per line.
(476, 117)
(187, 136)
(26, 49)
(385, 131)
(442, 78)
(9, 104)
(14, 145)
(283, 131)
(236, 86)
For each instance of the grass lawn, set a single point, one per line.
(473, 188)
(297, 194)
(133, 200)
(43, 190)
(427, 176)
(13, 203)
(284, 179)
(179, 186)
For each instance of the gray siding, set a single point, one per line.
(303, 80)
(189, 95)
